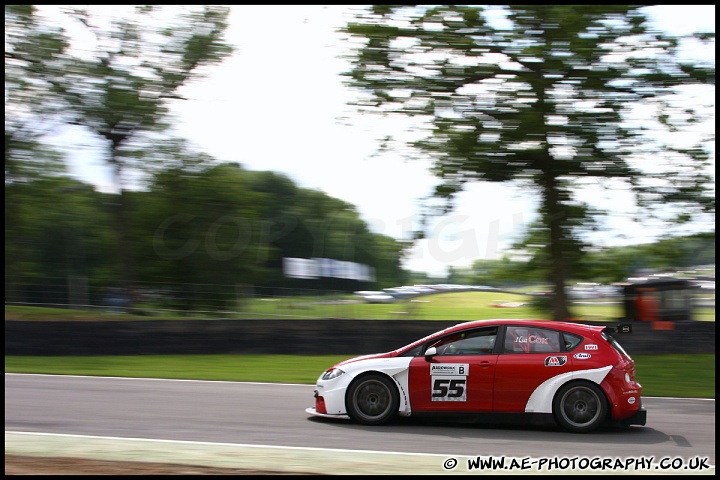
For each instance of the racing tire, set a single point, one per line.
(580, 407)
(373, 400)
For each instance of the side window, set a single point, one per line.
(475, 342)
(515, 340)
(520, 339)
(571, 341)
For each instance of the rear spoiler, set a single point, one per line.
(620, 328)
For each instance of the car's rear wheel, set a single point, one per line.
(580, 407)
(373, 400)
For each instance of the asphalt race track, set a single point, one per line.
(254, 425)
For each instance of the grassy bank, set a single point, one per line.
(459, 306)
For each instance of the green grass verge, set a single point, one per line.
(674, 375)
(690, 376)
(459, 306)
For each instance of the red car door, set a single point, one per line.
(459, 378)
(530, 357)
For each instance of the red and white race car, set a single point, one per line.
(575, 375)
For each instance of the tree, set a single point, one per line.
(543, 100)
(119, 88)
(33, 56)
(305, 223)
(197, 226)
(29, 109)
(387, 257)
(58, 243)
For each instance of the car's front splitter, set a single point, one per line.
(315, 413)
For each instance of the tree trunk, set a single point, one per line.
(122, 228)
(554, 218)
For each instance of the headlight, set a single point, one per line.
(627, 377)
(330, 374)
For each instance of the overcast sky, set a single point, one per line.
(275, 105)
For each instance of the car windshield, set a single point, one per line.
(419, 349)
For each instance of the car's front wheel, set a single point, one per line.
(373, 400)
(580, 407)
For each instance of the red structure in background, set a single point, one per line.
(647, 306)
(660, 301)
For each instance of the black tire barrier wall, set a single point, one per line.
(291, 337)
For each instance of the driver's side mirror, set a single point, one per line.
(429, 353)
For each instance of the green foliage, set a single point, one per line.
(606, 266)
(59, 227)
(198, 223)
(209, 242)
(542, 303)
(32, 59)
(618, 263)
(698, 249)
(123, 88)
(305, 223)
(541, 101)
(120, 90)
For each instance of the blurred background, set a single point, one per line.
(355, 162)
